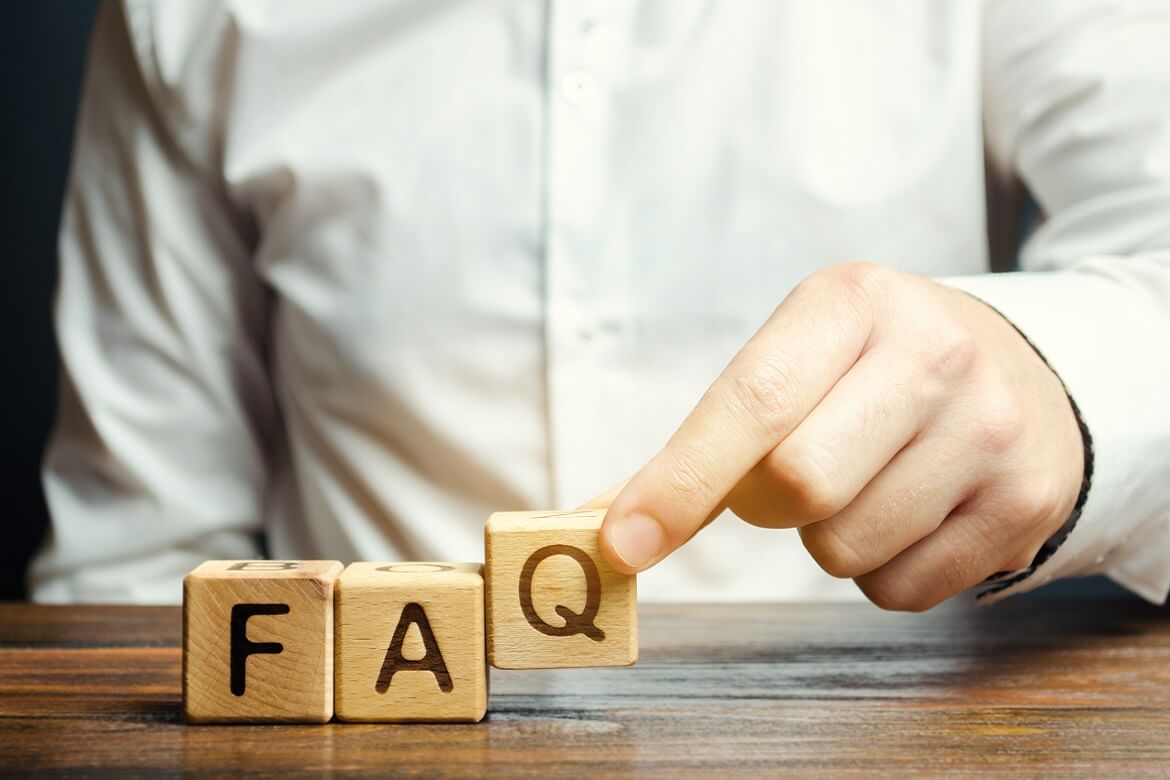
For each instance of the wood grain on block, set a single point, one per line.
(552, 600)
(258, 641)
(410, 642)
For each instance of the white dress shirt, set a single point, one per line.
(353, 275)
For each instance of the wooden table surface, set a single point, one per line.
(1030, 687)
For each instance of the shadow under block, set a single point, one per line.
(552, 600)
(410, 642)
(258, 641)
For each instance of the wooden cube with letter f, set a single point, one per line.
(552, 600)
(258, 642)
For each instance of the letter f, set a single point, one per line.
(242, 647)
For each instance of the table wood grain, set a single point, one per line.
(1030, 687)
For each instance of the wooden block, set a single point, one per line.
(552, 600)
(258, 641)
(410, 642)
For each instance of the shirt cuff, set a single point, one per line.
(1105, 335)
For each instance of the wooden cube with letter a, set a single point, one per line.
(552, 600)
(258, 641)
(410, 642)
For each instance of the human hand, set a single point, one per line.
(915, 438)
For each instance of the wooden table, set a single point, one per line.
(1029, 687)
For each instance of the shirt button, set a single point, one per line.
(579, 86)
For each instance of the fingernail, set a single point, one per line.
(637, 540)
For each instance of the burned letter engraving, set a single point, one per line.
(264, 566)
(416, 568)
(242, 647)
(575, 623)
(431, 662)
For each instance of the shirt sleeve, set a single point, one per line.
(1077, 105)
(158, 456)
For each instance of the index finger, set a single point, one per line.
(780, 375)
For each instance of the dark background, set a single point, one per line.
(42, 48)
(42, 52)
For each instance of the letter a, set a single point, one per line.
(431, 662)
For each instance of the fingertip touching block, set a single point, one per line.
(552, 600)
(410, 642)
(258, 641)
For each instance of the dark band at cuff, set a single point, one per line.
(1004, 580)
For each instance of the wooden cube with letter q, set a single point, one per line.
(410, 642)
(552, 600)
(258, 642)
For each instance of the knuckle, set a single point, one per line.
(806, 487)
(861, 277)
(949, 354)
(765, 391)
(999, 426)
(866, 285)
(1030, 503)
(833, 552)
